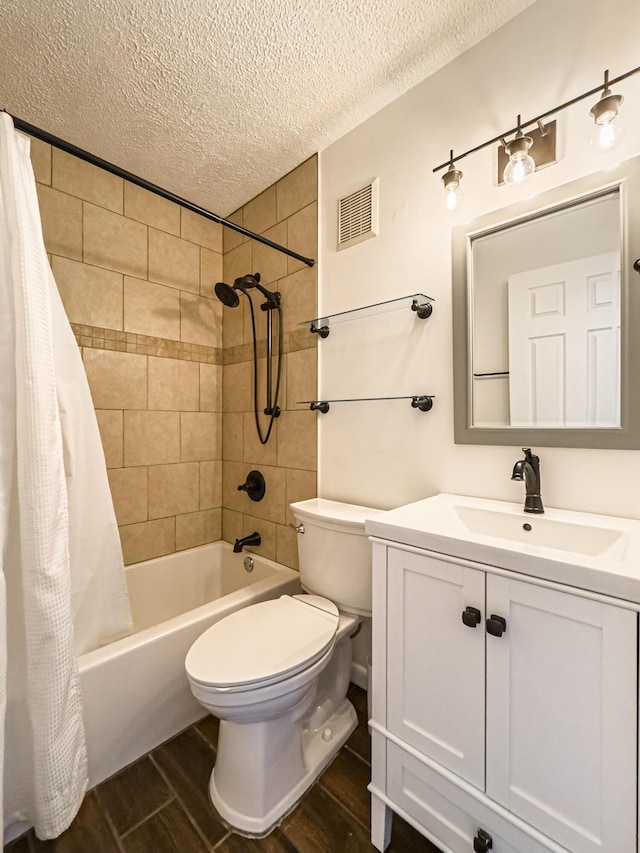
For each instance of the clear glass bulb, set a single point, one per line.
(519, 168)
(452, 198)
(605, 135)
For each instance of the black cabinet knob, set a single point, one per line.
(496, 625)
(482, 842)
(471, 617)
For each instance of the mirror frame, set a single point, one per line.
(626, 176)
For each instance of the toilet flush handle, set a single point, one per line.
(299, 528)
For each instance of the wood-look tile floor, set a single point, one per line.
(160, 805)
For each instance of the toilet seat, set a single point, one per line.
(263, 644)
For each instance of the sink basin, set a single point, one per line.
(541, 531)
(595, 552)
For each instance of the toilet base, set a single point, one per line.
(319, 747)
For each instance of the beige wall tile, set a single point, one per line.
(233, 475)
(302, 376)
(299, 297)
(210, 484)
(173, 489)
(231, 525)
(238, 262)
(270, 263)
(232, 436)
(174, 385)
(272, 505)
(301, 486)
(148, 539)
(233, 326)
(210, 387)
(200, 436)
(173, 261)
(114, 242)
(129, 493)
(198, 229)
(83, 180)
(297, 440)
(152, 209)
(297, 189)
(91, 295)
(41, 160)
(110, 424)
(260, 213)
(236, 387)
(198, 528)
(267, 531)
(61, 216)
(151, 438)
(151, 309)
(210, 272)
(302, 235)
(200, 320)
(118, 380)
(230, 238)
(287, 547)
(254, 452)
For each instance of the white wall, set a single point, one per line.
(385, 453)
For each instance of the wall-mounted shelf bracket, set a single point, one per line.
(418, 302)
(422, 402)
(423, 309)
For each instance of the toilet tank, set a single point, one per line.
(335, 552)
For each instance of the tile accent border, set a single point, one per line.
(94, 337)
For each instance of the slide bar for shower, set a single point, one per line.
(44, 136)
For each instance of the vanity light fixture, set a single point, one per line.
(521, 164)
(606, 132)
(451, 180)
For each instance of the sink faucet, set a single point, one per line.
(528, 469)
(251, 539)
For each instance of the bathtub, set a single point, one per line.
(135, 691)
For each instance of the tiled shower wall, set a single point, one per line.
(136, 276)
(287, 213)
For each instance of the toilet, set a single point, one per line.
(276, 673)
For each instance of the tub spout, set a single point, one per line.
(251, 539)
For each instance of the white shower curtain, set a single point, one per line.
(62, 587)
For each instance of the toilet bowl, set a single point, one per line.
(276, 674)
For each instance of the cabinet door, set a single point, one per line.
(435, 663)
(561, 715)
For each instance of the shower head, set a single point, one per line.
(227, 294)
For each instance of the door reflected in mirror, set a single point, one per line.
(546, 310)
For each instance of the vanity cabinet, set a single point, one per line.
(505, 709)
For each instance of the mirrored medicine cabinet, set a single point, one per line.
(546, 318)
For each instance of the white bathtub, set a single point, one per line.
(135, 690)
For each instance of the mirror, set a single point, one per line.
(543, 318)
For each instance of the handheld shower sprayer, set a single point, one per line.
(228, 295)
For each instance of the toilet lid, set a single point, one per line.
(263, 643)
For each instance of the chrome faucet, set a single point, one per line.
(528, 469)
(251, 539)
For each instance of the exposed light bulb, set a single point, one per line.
(451, 199)
(521, 164)
(451, 181)
(517, 169)
(606, 131)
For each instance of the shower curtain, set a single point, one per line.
(62, 589)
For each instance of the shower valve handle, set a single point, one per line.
(255, 486)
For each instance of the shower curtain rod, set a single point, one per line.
(44, 136)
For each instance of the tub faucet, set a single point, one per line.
(528, 469)
(251, 539)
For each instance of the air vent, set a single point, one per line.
(358, 215)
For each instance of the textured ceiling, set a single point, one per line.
(217, 99)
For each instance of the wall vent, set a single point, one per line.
(358, 215)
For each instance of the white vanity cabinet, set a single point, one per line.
(512, 728)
